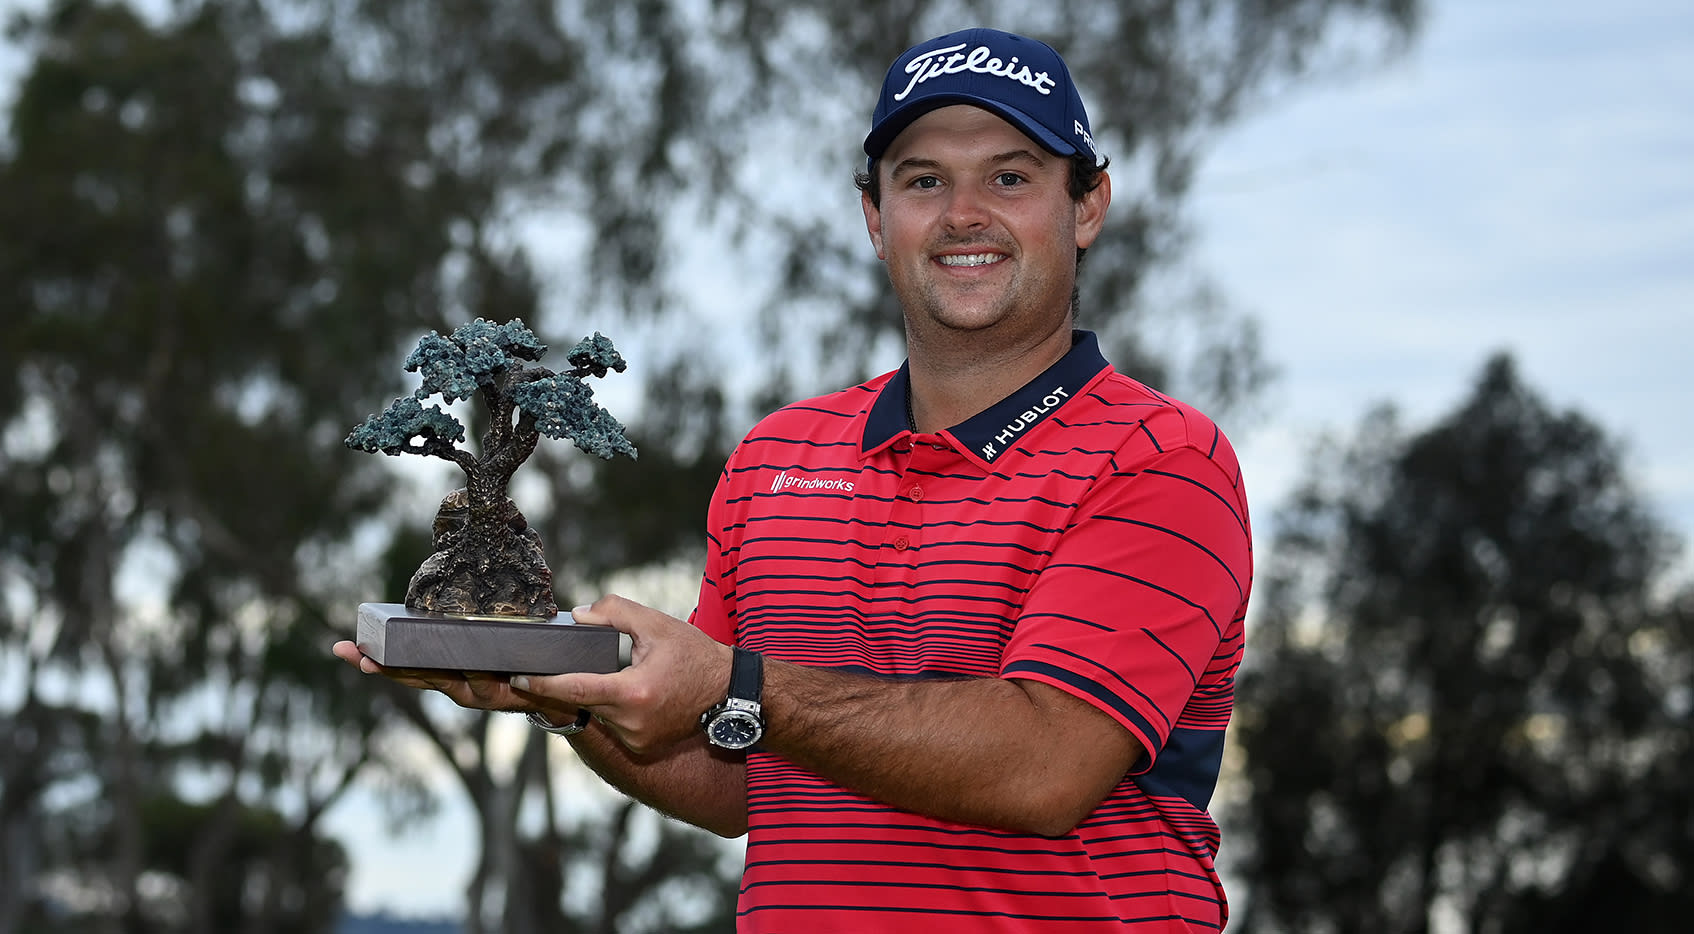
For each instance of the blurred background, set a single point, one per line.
(1430, 263)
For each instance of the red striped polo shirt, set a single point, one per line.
(1085, 532)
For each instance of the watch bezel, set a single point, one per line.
(735, 711)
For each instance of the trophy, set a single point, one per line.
(483, 600)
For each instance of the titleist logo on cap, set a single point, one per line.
(951, 61)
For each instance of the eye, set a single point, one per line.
(1008, 179)
(925, 182)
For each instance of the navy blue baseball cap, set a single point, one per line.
(1021, 80)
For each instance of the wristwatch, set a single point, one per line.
(739, 721)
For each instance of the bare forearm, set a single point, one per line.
(1009, 754)
(690, 781)
(1015, 754)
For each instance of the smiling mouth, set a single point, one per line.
(969, 259)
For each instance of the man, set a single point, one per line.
(985, 610)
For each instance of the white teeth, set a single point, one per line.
(970, 259)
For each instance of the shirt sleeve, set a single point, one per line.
(1141, 603)
(713, 610)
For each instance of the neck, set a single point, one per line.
(956, 380)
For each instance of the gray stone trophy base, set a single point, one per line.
(397, 636)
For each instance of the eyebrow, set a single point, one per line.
(915, 163)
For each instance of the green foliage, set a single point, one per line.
(595, 355)
(475, 353)
(482, 357)
(1462, 695)
(563, 407)
(394, 429)
(442, 365)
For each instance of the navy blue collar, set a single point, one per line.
(991, 433)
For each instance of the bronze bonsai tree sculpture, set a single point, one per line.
(487, 560)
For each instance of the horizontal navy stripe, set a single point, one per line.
(1065, 676)
(1204, 610)
(1239, 519)
(945, 868)
(1112, 673)
(1222, 564)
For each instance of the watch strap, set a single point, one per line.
(746, 675)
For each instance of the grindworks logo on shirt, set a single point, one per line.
(785, 482)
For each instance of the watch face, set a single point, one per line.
(734, 729)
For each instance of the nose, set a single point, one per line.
(966, 209)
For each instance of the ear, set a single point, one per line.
(873, 223)
(1091, 211)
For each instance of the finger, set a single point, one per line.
(620, 613)
(349, 652)
(610, 610)
(640, 622)
(523, 691)
(486, 687)
(580, 689)
(476, 690)
(428, 679)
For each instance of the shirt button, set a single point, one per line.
(901, 544)
(915, 494)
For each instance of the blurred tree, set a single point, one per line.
(239, 858)
(221, 220)
(201, 262)
(1466, 709)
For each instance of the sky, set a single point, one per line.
(1521, 179)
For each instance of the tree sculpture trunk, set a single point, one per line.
(486, 566)
(486, 558)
